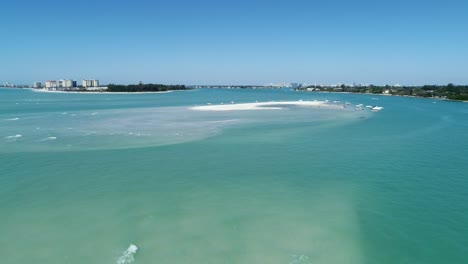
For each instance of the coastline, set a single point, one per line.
(329, 92)
(93, 92)
(396, 95)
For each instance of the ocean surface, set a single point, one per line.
(143, 178)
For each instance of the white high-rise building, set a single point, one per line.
(90, 83)
(51, 84)
(37, 85)
(67, 83)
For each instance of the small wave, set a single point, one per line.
(14, 136)
(299, 259)
(49, 138)
(12, 119)
(128, 255)
(223, 121)
(142, 134)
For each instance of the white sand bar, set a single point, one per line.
(262, 106)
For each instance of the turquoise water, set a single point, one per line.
(84, 176)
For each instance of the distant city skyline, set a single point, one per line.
(237, 42)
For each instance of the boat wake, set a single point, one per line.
(128, 255)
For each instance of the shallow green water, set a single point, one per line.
(92, 174)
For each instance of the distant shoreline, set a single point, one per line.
(94, 92)
(456, 93)
(158, 92)
(397, 95)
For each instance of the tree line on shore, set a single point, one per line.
(144, 88)
(449, 91)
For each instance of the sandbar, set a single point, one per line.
(263, 106)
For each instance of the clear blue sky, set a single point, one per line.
(241, 42)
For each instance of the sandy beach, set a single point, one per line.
(263, 106)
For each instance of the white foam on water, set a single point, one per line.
(12, 119)
(223, 121)
(14, 136)
(128, 255)
(49, 138)
(300, 259)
